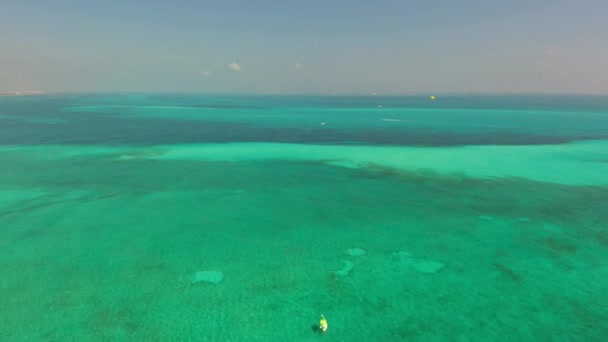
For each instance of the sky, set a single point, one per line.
(299, 47)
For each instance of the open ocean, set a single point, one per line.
(170, 217)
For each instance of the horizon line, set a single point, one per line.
(328, 94)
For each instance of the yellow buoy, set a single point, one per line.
(432, 97)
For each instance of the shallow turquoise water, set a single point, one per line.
(466, 218)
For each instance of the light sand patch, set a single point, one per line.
(573, 164)
(213, 277)
(345, 270)
(419, 265)
(355, 251)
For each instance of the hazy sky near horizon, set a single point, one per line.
(314, 46)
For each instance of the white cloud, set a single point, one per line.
(298, 65)
(206, 73)
(234, 67)
(550, 51)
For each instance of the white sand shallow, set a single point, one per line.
(582, 163)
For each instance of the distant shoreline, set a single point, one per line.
(371, 95)
(22, 93)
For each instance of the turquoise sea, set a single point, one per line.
(183, 217)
